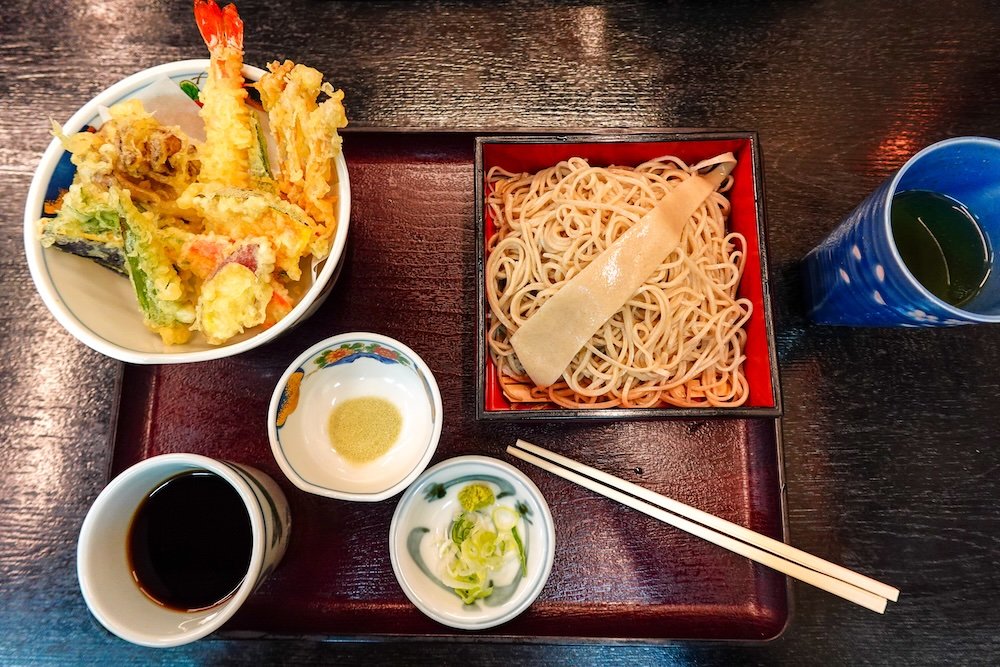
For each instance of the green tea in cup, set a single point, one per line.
(942, 244)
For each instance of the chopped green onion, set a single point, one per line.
(504, 518)
(460, 529)
(480, 543)
(520, 551)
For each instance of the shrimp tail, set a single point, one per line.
(217, 25)
(230, 133)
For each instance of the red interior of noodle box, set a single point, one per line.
(531, 153)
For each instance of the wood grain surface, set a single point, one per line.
(890, 435)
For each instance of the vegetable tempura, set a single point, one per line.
(212, 239)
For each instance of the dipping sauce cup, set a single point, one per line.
(107, 566)
(919, 250)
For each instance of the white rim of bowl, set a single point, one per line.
(226, 610)
(39, 269)
(272, 417)
(543, 506)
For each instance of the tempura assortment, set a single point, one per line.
(212, 236)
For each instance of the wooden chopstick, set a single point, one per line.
(762, 541)
(793, 562)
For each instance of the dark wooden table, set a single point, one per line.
(890, 435)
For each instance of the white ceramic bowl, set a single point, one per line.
(353, 365)
(98, 306)
(424, 515)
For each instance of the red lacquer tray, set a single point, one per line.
(410, 273)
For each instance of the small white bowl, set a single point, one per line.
(427, 509)
(97, 306)
(353, 365)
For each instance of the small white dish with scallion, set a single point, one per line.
(472, 542)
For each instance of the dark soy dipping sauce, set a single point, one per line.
(190, 542)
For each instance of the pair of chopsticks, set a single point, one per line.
(777, 555)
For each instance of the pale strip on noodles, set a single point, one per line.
(677, 341)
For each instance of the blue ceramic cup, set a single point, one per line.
(857, 277)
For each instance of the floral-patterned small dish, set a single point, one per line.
(328, 379)
(431, 546)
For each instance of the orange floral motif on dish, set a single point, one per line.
(289, 398)
(335, 355)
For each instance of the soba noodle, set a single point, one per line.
(679, 339)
